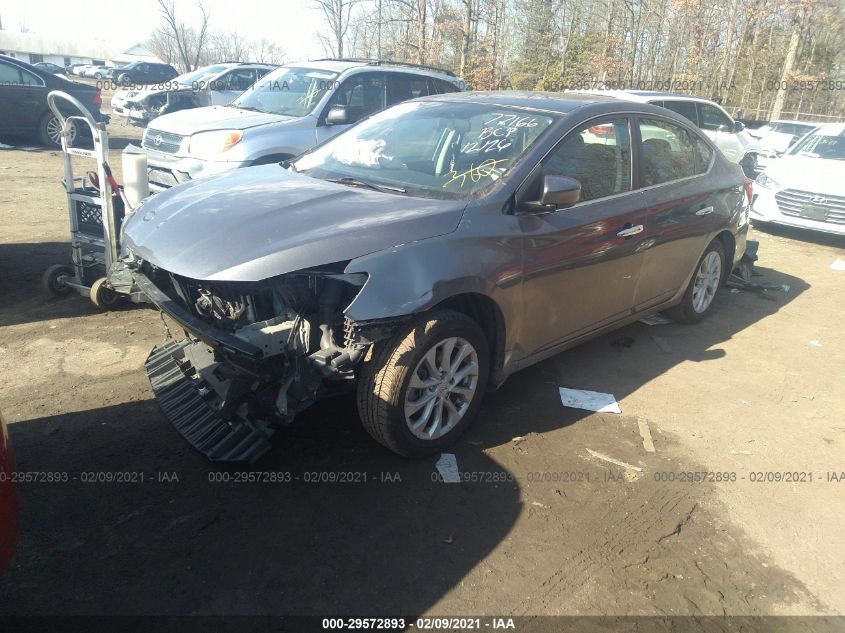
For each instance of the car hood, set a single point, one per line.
(187, 122)
(259, 222)
(816, 175)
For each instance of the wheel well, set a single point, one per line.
(271, 158)
(484, 311)
(729, 244)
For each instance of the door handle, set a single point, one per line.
(704, 211)
(630, 231)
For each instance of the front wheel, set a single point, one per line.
(419, 391)
(700, 295)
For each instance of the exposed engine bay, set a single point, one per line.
(143, 107)
(255, 354)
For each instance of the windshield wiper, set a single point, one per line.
(355, 182)
(241, 107)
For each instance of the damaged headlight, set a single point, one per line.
(210, 144)
(767, 182)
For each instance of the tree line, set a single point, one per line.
(761, 59)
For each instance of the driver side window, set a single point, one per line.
(712, 118)
(596, 155)
(362, 95)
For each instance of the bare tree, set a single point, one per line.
(186, 42)
(337, 14)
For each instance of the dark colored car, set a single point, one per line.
(9, 503)
(23, 101)
(140, 73)
(51, 68)
(423, 256)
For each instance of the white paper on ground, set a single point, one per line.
(815, 343)
(589, 400)
(838, 265)
(447, 466)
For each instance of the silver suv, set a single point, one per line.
(287, 112)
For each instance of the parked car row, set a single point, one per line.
(217, 84)
(23, 101)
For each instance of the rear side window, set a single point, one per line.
(441, 86)
(668, 152)
(12, 75)
(403, 87)
(712, 118)
(685, 108)
(703, 155)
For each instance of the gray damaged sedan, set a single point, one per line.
(423, 256)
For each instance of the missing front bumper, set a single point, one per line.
(180, 398)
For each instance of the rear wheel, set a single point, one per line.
(700, 296)
(420, 390)
(50, 131)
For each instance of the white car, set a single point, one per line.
(775, 137)
(210, 85)
(728, 135)
(96, 72)
(806, 186)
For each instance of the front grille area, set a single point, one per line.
(161, 141)
(805, 204)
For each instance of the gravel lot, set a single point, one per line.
(546, 529)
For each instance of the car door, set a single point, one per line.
(582, 263)
(681, 208)
(23, 98)
(361, 94)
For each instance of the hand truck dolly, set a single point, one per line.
(95, 209)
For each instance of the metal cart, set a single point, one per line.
(94, 218)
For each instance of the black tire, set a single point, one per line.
(51, 283)
(46, 128)
(749, 165)
(103, 295)
(385, 376)
(685, 311)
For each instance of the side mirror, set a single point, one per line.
(559, 192)
(337, 115)
(739, 126)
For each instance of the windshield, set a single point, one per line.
(198, 75)
(430, 148)
(287, 91)
(821, 146)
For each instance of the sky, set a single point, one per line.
(293, 24)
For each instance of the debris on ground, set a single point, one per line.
(838, 265)
(815, 343)
(655, 319)
(589, 400)
(645, 433)
(447, 466)
(611, 460)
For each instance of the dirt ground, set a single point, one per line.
(541, 528)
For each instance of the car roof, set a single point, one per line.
(831, 129)
(343, 65)
(644, 96)
(791, 122)
(554, 102)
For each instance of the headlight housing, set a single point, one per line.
(211, 144)
(767, 182)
